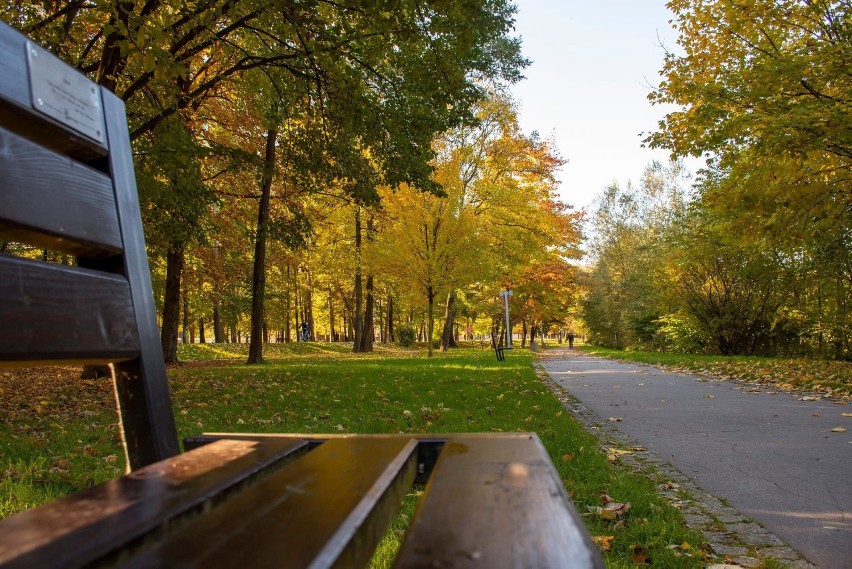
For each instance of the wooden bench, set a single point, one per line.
(229, 500)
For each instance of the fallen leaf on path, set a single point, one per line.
(615, 419)
(838, 430)
(846, 414)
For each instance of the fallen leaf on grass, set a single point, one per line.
(604, 541)
(567, 457)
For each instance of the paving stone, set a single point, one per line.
(747, 561)
(756, 538)
(729, 517)
(779, 553)
(697, 520)
(731, 550)
(719, 537)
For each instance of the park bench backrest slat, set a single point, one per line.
(39, 295)
(75, 210)
(67, 185)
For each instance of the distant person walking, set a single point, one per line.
(570, 340)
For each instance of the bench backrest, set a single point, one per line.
(67, 185)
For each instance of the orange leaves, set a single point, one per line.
(604, 541)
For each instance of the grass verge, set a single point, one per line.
(831, 378)
(324, 388)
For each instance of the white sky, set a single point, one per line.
(593, 65)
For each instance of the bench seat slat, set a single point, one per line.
(84, 527)
(55, 202)
(39, 300)
(328, 508)
(496, 502)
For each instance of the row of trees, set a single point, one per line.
(322, 162)
(757, 256)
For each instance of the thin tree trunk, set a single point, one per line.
(447, 339)
(259, 272)
(202, 339)
(358, 323)
(430, 319)
(187, 321)
(330, 316)
(171, 302)
(390, 319)
(367, 331)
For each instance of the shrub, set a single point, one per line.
(405, 336)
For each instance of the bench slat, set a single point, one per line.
(40, 300)
(496, 502)
(16, 111)
(329, 508)
(85, 527)
(54, 202)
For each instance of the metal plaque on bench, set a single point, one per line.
(64, 94)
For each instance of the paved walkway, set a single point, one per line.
(770, 455)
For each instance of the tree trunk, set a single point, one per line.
(430, 319)
(309, 307)
(367, 331)
(218, 330)
(447, 339)
(330, 316)
(357, 324)
(171, 302)
(201, 338)
(187, 325)
(390, 319)
(258, 288)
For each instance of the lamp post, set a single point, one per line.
(506, 294)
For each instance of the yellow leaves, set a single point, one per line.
(846, 414)
(604, 541)
(567, 457)
(613, 454)
(838, 430)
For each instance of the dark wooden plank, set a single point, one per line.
(54, 202)
(327, 509)
(141, 384)
(16, 112)
(53, 313)
(496, 501)
(428, 446)
(85, 527)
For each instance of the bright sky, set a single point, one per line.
(593, 65)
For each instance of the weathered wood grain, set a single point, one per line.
(116, 517)
(327, 509)
(54, 202)
(54, 313)
(496, 502)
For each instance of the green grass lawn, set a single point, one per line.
(59, 434)
(832, 378)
